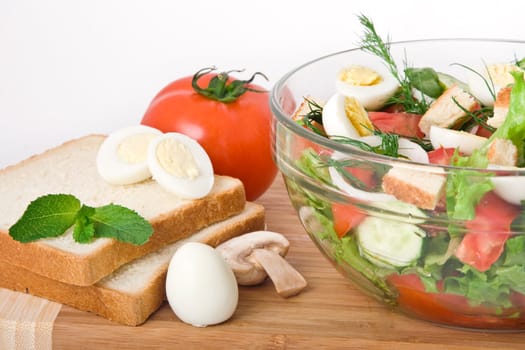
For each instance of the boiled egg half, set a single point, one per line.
(491, 77)
(180, 165)
(122, 157)
(345, 116)
(371, 83)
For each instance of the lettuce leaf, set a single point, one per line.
(466, 187)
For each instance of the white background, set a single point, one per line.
(69, 68)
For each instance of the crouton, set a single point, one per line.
(502, 152)
(501, 107)
(445, 112)
(304, 107)
(422, 189)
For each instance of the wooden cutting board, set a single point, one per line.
(330, 313)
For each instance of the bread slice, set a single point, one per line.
(501, 107)
(71, 168)
(446, 111)
(415, 186)
(134, 291)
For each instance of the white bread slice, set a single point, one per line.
(134, 291)
(444, 112)
(71, 168)
(414, 186)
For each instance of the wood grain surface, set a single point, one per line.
(330, 314)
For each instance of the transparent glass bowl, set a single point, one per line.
(435, 286)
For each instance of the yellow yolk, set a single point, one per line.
(500, 73)
(358, 116)
(177, 159)
(360, 76)
(134, 149)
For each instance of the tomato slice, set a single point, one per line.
(346, 217)
(487, 232)
(441, 156)
(401, 123)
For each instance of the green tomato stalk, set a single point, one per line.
(221, 88)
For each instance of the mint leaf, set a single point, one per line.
(121, 223)
(84, 230)
(47, 216)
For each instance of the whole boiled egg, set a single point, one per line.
(486, 81)
(200, 286)
(180, 165)
(122, 157)
(371, 83)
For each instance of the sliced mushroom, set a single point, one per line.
(260, 254)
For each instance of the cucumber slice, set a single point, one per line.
(388, 243)
(449, 80)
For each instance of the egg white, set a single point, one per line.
(465, 142)
(116, 170)
(509, 188)
(335, 121)
(190, 188)
(480, 84)
(375, 96)
(200, 286)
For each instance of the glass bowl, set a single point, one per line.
(421, 260)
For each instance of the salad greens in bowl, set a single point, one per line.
(405, 162)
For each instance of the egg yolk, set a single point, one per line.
(360, 76)
(500, 73)
(134, 149)
(177, 159)
(358, 116)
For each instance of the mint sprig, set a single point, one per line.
(51, 215)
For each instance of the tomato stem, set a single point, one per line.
(220, 88)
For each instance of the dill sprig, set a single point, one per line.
(389, 144)
(313, 117)
(372, 43)
(478, 117)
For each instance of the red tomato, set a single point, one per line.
(441, 156)
(235, 134)
(346, 217)
(447, 308)
(401, 123)
(487, 232)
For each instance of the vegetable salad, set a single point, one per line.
(446, 245)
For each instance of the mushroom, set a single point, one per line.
(256, 255)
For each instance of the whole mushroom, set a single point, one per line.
(260, 254)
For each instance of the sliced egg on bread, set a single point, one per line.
(371, 83)
(180, 165)
(122, 157)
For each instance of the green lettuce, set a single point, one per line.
(466, 187)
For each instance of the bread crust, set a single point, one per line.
(85, 270)
(126, 308)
